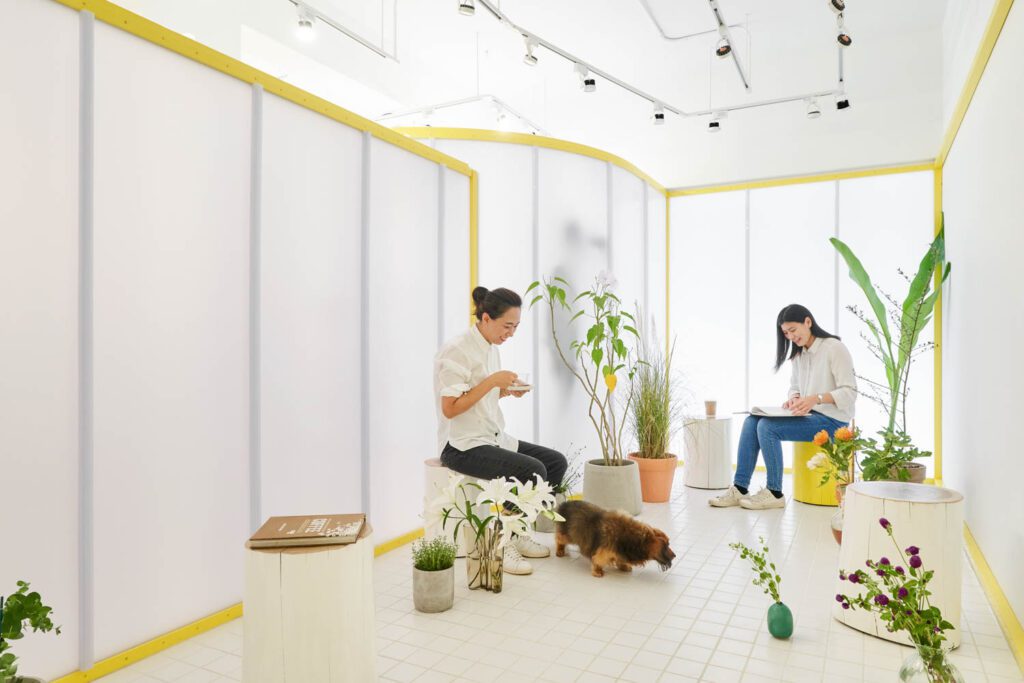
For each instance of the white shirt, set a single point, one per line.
(461, 364)
(826, 367)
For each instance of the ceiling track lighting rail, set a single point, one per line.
(726, 46)
(496, 101)
(687, 36)
(308, 15)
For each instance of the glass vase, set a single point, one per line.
(484, 559)
(929, 665)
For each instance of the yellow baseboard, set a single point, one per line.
(1008, 620)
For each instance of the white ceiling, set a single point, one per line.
(893, 71)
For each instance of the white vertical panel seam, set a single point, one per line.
(255, 318)
(647, 314)
(86, 462)
(835, 264)
(535, 267)
(746, 299)
(440, 255)
(610, 208)
(364, 317)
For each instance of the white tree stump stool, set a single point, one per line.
(309, 614)
(435, 479)
(929, 517)
(707, 459)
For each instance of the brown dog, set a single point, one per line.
(610, 538)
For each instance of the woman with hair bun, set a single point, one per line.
(468, 382)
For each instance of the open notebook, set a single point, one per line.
(773, 411)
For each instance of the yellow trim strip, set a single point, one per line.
(1011, 626)
(532, 140)
(988, 43)
(398, 542)
(152, 32)
(799, 180)
(474, 238)
(937, 352)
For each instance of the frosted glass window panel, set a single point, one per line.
(627, 241)
(573, 245)
(888, 222)
(39, 319)
(171, 337)
(311, 201)
(403, 286)
(455, 247)
(708, 297)
(505, 253)
(656, 257)
(791, 261)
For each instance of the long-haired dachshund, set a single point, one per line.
(610, 538)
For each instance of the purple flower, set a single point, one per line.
(846, 605)
(882, 600)
(855, 578)
(913, 550)
(885, 523)
(884, 560)
(900, 571)
(936, 629)
(915, 561)
(909, 613)
(839, 598)
(902, 593)
(880, 572)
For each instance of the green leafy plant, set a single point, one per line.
(600, 355)
(655, 413)
(573, 472)
(433, 555)
(887, 460)
(18, 612)
(764, 569)
(835, 454)
(896, 327)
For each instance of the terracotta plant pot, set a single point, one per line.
(656, 477)
(918, 472)
(613, 487)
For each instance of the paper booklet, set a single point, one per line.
(773, 411)
(308, 530)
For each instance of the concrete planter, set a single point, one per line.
(613, 487)
(433, 591)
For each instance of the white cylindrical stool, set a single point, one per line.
(309, 614)
(707, 460)
(435, 479)
(929, 517)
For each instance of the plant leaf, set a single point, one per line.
(860, 276)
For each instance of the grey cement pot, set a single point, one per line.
(433, 591)
(545, 525)
(613, 487)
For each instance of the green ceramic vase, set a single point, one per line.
(780, 621)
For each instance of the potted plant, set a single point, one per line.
(894, 459)
(837, 459)
(898, 595)
(896, 330)
(780, 618)
(433, 574)
(563, 490)
(486, 530)
(654, 417)
(19, 611)
(599, 357)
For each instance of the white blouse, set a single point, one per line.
(826, 367)
(461, 364)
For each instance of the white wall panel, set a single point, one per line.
(983, 311)
(573, 245)
(627, 242)
(888, 221)
(656, 248)
(39, 321)
(455, 247)
(403, 329)
(791, 261)
(171, 340)
(310, 305)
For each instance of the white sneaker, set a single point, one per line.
(514, 562)
(729, 499)
(763, 500)
(528, 547)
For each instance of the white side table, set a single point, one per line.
(929, 517)
(309, 614)
(707, 459)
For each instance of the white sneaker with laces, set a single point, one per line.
(514, 562)
(763, 500)
(729, 499)
(528, 547)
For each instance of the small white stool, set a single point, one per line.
(707, 460)
(929, 517)
(435, 479)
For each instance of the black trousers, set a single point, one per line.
(488, 462)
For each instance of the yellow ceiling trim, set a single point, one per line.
(526, 139)
(799, 180)
(988, 43)
(143, 28)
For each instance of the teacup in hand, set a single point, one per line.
(521, 385)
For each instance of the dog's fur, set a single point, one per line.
(610, 538)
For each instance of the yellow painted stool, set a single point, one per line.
(805, 481)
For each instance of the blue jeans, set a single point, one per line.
(766, 434)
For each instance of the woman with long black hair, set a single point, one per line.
(822, 394)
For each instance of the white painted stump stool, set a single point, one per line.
(309, 614)
(929, 517)
(707, 461)
(435, 479)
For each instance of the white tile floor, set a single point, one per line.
(701, 621)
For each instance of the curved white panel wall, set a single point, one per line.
(310, 310)
(39, 322)
(454, 251)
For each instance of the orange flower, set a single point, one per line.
(821, 438)
(844, 434)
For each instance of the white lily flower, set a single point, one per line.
(535, 497)
(497, 492)
(513, 525)
(816, 461)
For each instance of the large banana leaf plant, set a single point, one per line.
(897, 343)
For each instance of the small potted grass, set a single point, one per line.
(433, 574)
